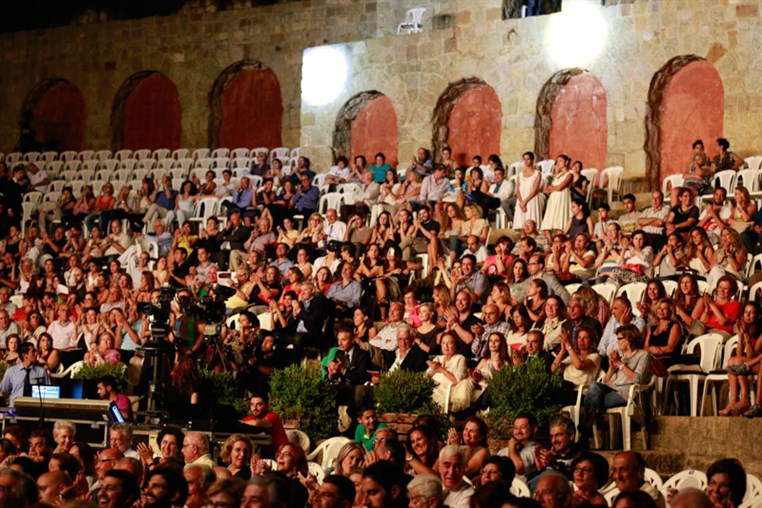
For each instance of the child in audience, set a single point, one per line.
(604, 219)
(365, 433)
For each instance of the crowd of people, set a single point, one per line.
(377, 470)
(406, 275)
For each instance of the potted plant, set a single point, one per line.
(527, 387)
(90, 374)
(301, 395)
(221, 388)
(402, 396)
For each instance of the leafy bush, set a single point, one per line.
(3, 367)
(221, 388)
(405, 392)
(95, 372)
(298, 393)
(525, 388)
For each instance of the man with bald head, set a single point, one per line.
(628, 470)
(52, 486)
(196, 450)
(691, 498)
(553, 491)
(199, 479)
(104, 462)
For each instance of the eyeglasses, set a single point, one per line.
(583, 470)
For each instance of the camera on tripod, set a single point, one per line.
(157, 313)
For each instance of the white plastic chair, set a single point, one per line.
(749, 178)
(239, 152)
(133, 163)
(634, 292)
(141, 154)
(671, 182)
(201, 153)
(519, 488)
(606, 291)
(219, 153)
(653, 478)
(72, 165)
(103, 155)
(69, 371)
(161, 153)
(49, 156)
(719, 376)
(68, 155)
(204, 209)
(280, 152)
(613, 177)
(546, 166)
(725, 179)
(203, 162)
(86, 155)
(180, 153)
(123, 154)
(53, 168)
(328, 201)
(634, 408)
(754, 162)
(300, 438)
(711, 350)
(329, 449)
(685, 479)
(412, 23)
(591, 174)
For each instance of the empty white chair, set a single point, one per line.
(49, 156)
(161, 153)
(279, 153)
(607, 291)
(203, 162)
(68, 155)
(220, 162)
(240, 162)
(753, 497)
(180, 153)
(103, 155)
(204, 209)
(412, 23)
(239, 152)
(613, 178)
(13, 158)
(754, 162)
(53, 168)
(123, 154)
(295, 152)
(89, 165)
(220, 152)
(86, 155)
(142, 154)
(685, 479)
(108, 165)
(148, 164)
(329, 449)
(31, 156)
(710, 345)
(634, 292)
(546, 166)
(186, 164)
(719, 376)
(56, 187)
(591, 174)
(72, 165)
(749, 178)
(201, 153)
(725, 179)
(165, 164)
(671, 182)
(129, 164)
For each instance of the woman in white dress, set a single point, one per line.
(447, 369)
(558, 211)
(527, 199)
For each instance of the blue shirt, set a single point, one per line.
(165, 201)
(307, 200)
(348, 296)
(13, 381)
(243, 198)
(379, 172)
(164, 241)
(283, 266)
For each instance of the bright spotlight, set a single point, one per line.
(324, 73)
(577, 34)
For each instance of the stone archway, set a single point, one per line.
(365, 125)
(571, 118)
(246, 107)
(686, 101)
(56, 111)
(467, 118)
(146, 113)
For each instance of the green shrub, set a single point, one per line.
(3, 367)
(298, 393)
(221, 388)
(525, 388)
(405, 392)
(95, 372)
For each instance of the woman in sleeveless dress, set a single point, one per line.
(558, 211)
(527, 200)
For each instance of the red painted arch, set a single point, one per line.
(474, 124)
(252, 110)
(375, 130)
(579, 127)
(152, 115)
(693, 108)
(59, 118)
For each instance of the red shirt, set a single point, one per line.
(732, 309)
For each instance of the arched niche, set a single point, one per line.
(467, 118)
(246, 107)
(56, 109)
(571, 118)
(146, 113)
(365, 125)
(686, 102)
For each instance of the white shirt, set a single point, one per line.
(64, 336)
(335, 231)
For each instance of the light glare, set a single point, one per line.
(324, 74)
(577, 34)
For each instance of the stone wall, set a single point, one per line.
(461, 39)
(512, 57)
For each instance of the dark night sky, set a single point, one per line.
(32, 14)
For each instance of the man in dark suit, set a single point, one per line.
(233, 237)
(534, 350)
(408, 355)
(312, 314)
(348, 372)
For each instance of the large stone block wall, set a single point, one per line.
(462, 39)
(512, 57)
